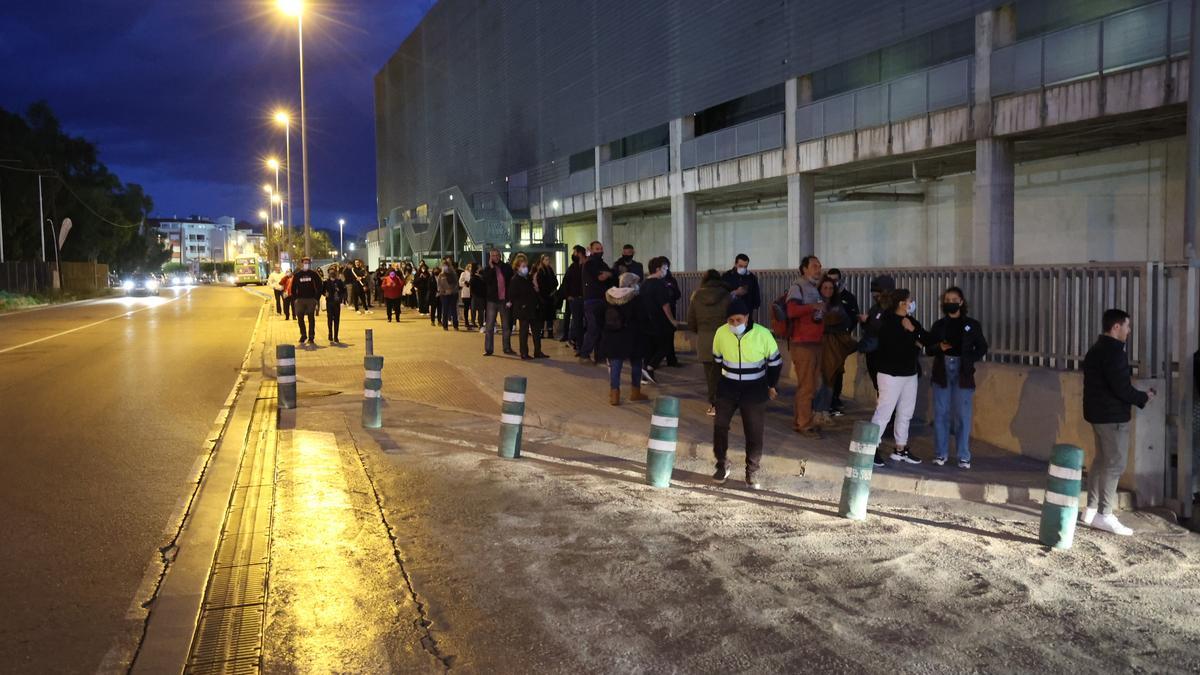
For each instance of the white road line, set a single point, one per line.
(94, 323)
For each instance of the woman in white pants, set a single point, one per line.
(900, 340)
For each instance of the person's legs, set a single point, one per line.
(288, 304)
(278, 302)
(805, 360)
(525, 328)
(753, 415)
(333, 315)
(905, 406)
(566, 325)
(889, 396)
(298, 310)
(963, 405)
(489, 333)
(635, 372)
(658, 352)
(1112, 449)
(506, 318)
(614, 372)
(712, 371)
(592, 313)
(835, 403)
(537, 336)
(452, 304)
(942, 417)
(725, 410)
(578, 317)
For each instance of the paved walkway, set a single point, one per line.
(447, 369)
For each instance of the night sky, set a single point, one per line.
(178, 93)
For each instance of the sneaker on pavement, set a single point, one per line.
(712, 411)
(648, 376)
(903, 455)
(721, 475)
(836, 413)
(880, 460)
(752, 482)
(964, 464)
(1109, 523)
(939, 461)
(1087, 516)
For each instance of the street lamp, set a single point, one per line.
(282, 118)
(273, 164)
(295, 8)
(341, 234)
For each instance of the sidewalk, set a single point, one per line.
(447, 370)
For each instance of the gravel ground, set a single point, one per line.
(564, 561)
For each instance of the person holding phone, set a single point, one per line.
(958, 344)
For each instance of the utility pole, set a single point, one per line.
(1, 228)
(42, 217)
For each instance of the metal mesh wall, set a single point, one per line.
(485, 88)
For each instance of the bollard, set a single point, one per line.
(370, 342)
(660, 448)
(512, 416)
(372, 413)
(1061, 506)
(285, 376)
(856, 486)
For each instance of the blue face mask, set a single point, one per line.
(738, 329)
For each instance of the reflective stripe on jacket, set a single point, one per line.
(752, 358)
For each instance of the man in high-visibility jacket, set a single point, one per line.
(750, 364)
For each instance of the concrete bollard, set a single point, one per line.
(285, 375)
(512, 416)
(856, 486)
(1061, 506)
(660, 448)
(370, 342)
(372, 411)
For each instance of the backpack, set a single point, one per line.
(781, 324)
(614, 321)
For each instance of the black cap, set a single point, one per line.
(736, 306)
(882, 283)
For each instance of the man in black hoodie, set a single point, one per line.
(1107, 395)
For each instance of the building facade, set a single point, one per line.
(195, 239)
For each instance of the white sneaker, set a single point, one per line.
(1087, 516)
(1109, 523)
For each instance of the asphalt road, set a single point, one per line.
(106, 406)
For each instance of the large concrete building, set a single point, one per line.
(1034, 151)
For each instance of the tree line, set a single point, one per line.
(107, 214)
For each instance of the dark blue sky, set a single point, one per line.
(177, 93)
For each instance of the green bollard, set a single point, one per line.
(512, 416)
(372, 410)
(856, 487)
(660, 448)
(285, 376)
(1061, 506)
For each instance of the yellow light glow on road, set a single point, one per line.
(291, 7)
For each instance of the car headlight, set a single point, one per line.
(188, 280)
(152, 284)
(127, 285)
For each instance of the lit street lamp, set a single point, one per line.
(296, 8)
(281, 117)
(341, 234)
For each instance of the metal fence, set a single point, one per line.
(656, 162)
(25, 277)
(1128, 39)
(747, 138)
(1046, 316)
(944, 86)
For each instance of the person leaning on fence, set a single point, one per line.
(623, 337)
(1108, 393)
(956, 343)
(706, 314)
(750, 364)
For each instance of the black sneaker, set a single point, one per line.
(880, 460)
(903, 455)
(721, 474)
(752, 481)
(834, 412)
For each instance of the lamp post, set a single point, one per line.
(281, 117)
(296, 8)
(342, 237)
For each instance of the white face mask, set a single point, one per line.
(305, 266)
(738, 329)
(523, 271)
(665, 270)
(744, 270)
(912, 306)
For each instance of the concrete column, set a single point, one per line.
(994, 29)
(790, 101)
(801, 217)
(683, 233)
(604, 233)
(993, 229)
(681, 129)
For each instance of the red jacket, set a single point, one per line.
(393, 288)
(803, 329)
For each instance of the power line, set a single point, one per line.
(50, 173)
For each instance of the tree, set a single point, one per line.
(107, 215)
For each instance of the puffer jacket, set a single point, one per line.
(627, 342)
(706, 313)
(803, 300)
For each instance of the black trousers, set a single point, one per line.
(753, 413)
(287, 306)
(393, 306)
(838, 381)
(435, 309)
(278, 302)
(530, 327)
(333, 318)
(662, 345)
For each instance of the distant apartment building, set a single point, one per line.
(197, 239)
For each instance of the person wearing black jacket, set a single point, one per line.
(526, 308)
(572, 291)
(478, 297)
(900, 340)
(421, 283)
(743, 284)
(850, 303)
(672, 285)
(623, 337)
(597, 278)
(306, 289)
(334, 289)
(626, 263)
(497, 276)
(956, 344)
(656, 297)
(1107, 395)
(546, 283)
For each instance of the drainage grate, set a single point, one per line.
(230, 632)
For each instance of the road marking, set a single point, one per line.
(94, 323)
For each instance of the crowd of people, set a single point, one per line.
(624, 314)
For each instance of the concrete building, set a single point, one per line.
(1034, 151)
(195, 239)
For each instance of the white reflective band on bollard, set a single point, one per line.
(862, 448)
(371, 393)
(505, 418)
(286, 379)
(665, 446)
(860, 474)
(1065, 473)
(514, 397)
(1061, 500)
(285, 362)
(660, 421)
(374, 374)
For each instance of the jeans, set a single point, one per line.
(489, 330)
(823, 399)
(306, 308)
(614, 372)
(478, 310)
(449, 310)
(1112, 451)
(952, 410)
(753, 414)
(575, 330)
(278, 302)
(333, 318)
(898, 395)
(466, 311)
(593, 316)
(530, 327)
